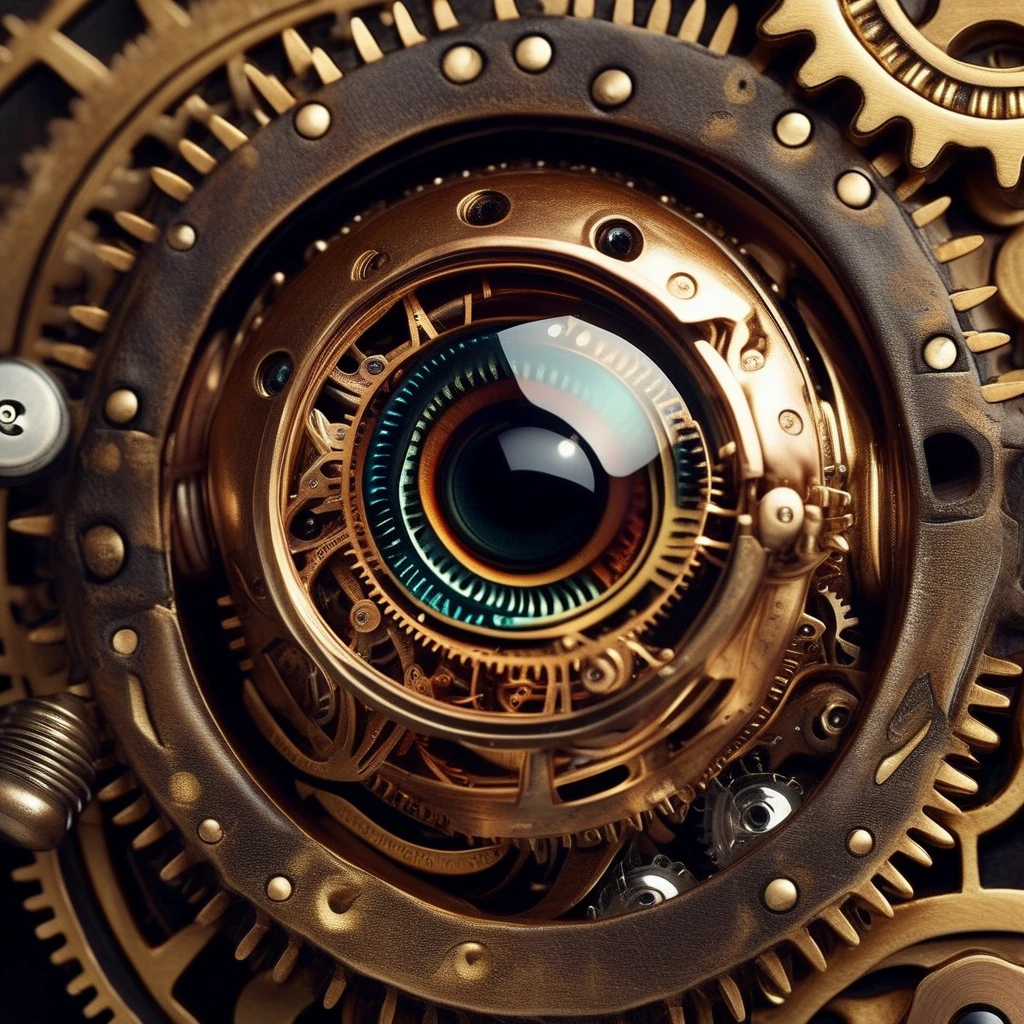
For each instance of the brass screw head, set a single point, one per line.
(793, 129)
(860, 842)
(210, 831)
(312, 121)
(125, 641)
(181, 237)
(103, 550)
(939, 353)
(791, 422)
(855, 190)
(533, 53)
(612, 88)
(682, 286)
(462, 64)
(121, 406)
(781, 895)
(279, 889)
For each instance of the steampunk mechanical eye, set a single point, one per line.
(522, 514)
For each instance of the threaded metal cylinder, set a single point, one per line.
(48, 749)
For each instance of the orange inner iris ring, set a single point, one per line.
(627, 496)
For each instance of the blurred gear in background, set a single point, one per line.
(512, 511)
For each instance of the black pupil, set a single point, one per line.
(758, 817)
(520, 490)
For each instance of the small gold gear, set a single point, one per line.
(910, 72)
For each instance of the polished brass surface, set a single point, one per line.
(781, 738)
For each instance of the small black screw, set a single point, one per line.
(620, 240)
(306, 526)
(274, 373)
(487, 208)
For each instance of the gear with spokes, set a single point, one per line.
(913, 72)
(385, 748)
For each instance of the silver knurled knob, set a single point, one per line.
(48, 750)
(34, 420)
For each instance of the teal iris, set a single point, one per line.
(517, 518)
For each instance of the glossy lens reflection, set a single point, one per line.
(518, 475)
(519, 489)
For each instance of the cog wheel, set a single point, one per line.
(321, 773)
(910, 72)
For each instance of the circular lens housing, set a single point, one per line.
(515, 477)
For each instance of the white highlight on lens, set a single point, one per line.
(554, 330)
(566, 449)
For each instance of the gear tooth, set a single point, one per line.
(1009, 167)
(722, 39)
(774, 970)
(957, 248)
(136, 226)
(27, 873)
(970, 298)
(367, 47)
(732, 997)
(444, 16)
(982, 697)
(335, 987)
(925, 148)
(931, 212)
(874, 899)
(34, 903)
(93, 318)
(176, 866)
(505, 10)
(955, 781)
(842, 926)
(48, 929)
(213, 909)
(693, 21)
(63, 954)
(938, 802)
(198, 158)
(658, 19)
(151, 834)
(674, 1010)
(286, 961)
(871, 116)
(809, 948)
(916, 852)
(270, 88)
(94, 1007)
(623, 12)
(933, 832)
(1003, 388)
(296, 49)
(171, 184)
(78, 984)
(327, 71)
(894, 877)
(124, 784)
(990, 666)
(252, 938)
(817, 71)
(782, 22)
(407, 30)
(975, 732)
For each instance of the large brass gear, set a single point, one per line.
(909, 72)
(775, 972)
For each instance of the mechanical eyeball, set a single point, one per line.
(481, 488)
